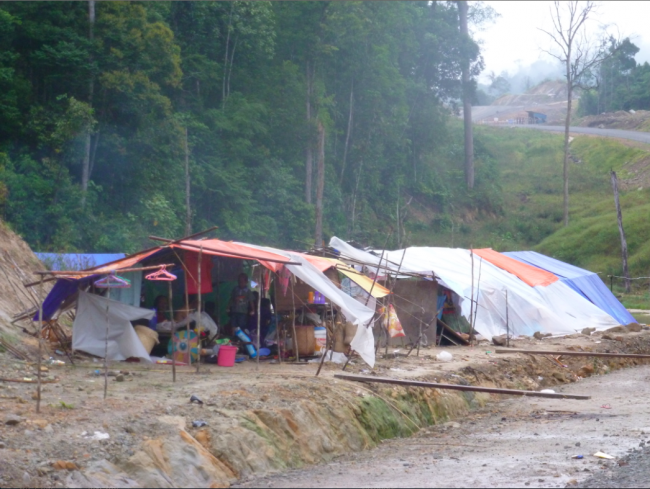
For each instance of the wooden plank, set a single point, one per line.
(466, 388)
(573, 353)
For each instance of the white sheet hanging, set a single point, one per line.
(89, 328)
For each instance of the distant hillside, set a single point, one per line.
(545, 93)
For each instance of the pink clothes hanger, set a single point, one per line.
(113, 281)
(162, 275)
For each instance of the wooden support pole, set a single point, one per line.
(259, 319)
(106, 349)
(471, 304)
(199, 314)
(619, 216)
(295, 337)
(465, 388)
(507, 323)
(40, 345)
(171, 314)
(575, 353)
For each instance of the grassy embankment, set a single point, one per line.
(530, 167)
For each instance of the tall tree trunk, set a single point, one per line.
(225, 59)
(349, 131)
(467, 105)
(85, 168)
(619, 216)
(188, 209)
(320, 186)
(309, 157)
(567, 122)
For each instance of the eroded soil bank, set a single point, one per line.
(258, 422)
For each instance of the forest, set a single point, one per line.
(119, 120)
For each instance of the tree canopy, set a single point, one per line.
(120, 94)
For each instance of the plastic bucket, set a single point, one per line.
(226, 357)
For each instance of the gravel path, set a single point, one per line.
(632, 471)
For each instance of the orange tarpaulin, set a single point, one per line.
(230, 249)
(127, 262)
(529, 274)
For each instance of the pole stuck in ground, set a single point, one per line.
(40, 346)
(106, 348)
(295, 337)
(259, 307)
(199, 326)
(507, 323)
(171, 315)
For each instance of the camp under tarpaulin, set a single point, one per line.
(586, 283)
(537, 300)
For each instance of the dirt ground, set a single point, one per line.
(511, 443)
(50, 450)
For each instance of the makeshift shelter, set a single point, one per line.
(586, 283)
(535, 302)
(90, 328)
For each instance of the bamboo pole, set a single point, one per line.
(275, 314)
(575, 353)
(171, 314)
(259, 319)
(295, 337)
(466, 388)
(106, 348)
(40, 345)
(471, 304)
(199, 314)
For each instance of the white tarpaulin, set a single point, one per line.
(354, 311)
(89, 328)
(555, 308)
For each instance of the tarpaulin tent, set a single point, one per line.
(89, 328)
(586, 283)
(76, 261)
(553, 308)
(355, 312)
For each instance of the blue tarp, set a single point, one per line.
(77, 261)
(586, 283)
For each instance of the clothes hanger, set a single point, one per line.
(113, 281)
(162, 275)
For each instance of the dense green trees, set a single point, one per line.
(101, 102)
(622, 83)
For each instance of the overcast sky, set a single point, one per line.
(514, 38)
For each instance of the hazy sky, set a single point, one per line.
(514, 36)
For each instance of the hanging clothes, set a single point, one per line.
(191, 259)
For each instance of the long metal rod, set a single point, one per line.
(507, 322)
(466, 388)
(258, 306)
(295, 337)
(574, 353)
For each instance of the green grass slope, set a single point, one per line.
(529, 163)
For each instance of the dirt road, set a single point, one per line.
(513, 443)
(643, 137)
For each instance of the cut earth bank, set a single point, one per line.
(258, 423)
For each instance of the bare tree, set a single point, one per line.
(467, 103)
(580, 55)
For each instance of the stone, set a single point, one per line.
(40, 423)
(608, 337)
(537, 335)
(63, 465)
(560, 376)
(499, 340)
(2, 445)
(586, 371)
(634, 328)
(617, 329)
(48, 429)
(588, 331)
(619, 338)
(119, 378)
(13, 420)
